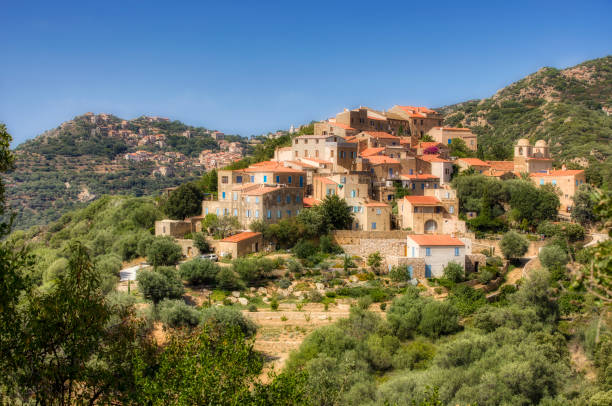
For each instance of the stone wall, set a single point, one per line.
(189, 250)
(363, 243)
(471, 260)
(418, 265)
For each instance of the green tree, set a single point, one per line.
(458, 148)
(439, 318)
(454, 272)
(220, 227)
(163, 251)
(186, 201)
(553, 257)
(584, 205)
(513, 245)
(199, 271)
(228, 318)
(200, 242)
(375, 261)
(336, 212)
(161, 283)
(177, 314)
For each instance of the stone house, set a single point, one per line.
(329, 148)
(566, 180)
(445, 135)
(418, 183)
(437, 166)
(436, 251)
(531, 159)
(172, 228)
(241, 244)
(478, 165)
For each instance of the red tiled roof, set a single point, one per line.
(381, 134)
(340, 125)
(423, 200)
(428, 144)
(269, 166)
(452, 129)
(381, 159)
(437, 240)
(241, 236)
(321, 161)
(376, 204)
(558, 172)
(305, 165)
(310, 201)
(502, 165)
(371, 151)
(327, 181)
(474, 162)
(261, 190)
(432, 158)
(419, 176)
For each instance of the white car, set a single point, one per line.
(210, 257)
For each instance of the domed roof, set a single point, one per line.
(541, 143)
(523, 142)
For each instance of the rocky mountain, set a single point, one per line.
(570, 108)
(96, 154)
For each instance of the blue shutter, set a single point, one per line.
(410, 271)
(301, 181)
(289, 179)
(265, 178)
(428, 271)
(277, 179)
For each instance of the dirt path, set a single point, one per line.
(580, 361)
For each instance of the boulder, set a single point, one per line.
(243, 301)
(236, 293)
(262, 291)
(320, 286)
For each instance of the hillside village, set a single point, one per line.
(365, 157)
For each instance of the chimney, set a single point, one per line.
(563, 167)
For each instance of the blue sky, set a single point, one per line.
(249, 67)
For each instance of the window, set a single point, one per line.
(373, 226)
(217, 211)
(411, 171)
(295, 153)
(297, 212)
(223, 195)
(456, 251)
(413, 186)
(317, 152)
(297, 198)
(238, 179)
(409, 269)
(296, 141)
(277, 179)
(422, 186)
(576, 182)
(428, 252)
(451, 209)
(390, 172)
(248, 199)
(449, 141)
(235, 196)
(248, 213)
(343, 180)
(435, 185)
(355, 209)
(252, 178)
(256, 199)
(428, 271)
(353, 193)
(278, 198)
(265, 178)
(278, 214)
(288, 199)
(288, 213)
(289, 179)
(256, 214)
(554, 182)
(416, 209)
(541, 181)
(225, 211)
(301, 181)
(437, 210)
(206, 210)
(447, 195)
(378, 211)
(224, 179)
(412, 252)
(235, 212)
(269, 214)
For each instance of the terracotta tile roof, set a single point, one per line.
(340, 125)
(423, 200)
(371, 151)
(452, 129)
(507, 166)
(381, 134)
(381, 159)
(270, 166)
(321, 161)
(405, 140)
(350, 138)
(302, 164)
(419, 176)
(432, 158)
(436, 240)
(558, 172)
(326, 181)
(473, 161)
(376, 204)
(241, 236)
(428, 144)
(261, 190)
(310, 201)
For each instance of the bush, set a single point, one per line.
(274, 304)
(284, 283)
(199, 271)
(375, 261)
(305, 249)
(294, 266)
(570, 302)
(454, 272)
(253, 269)
(414, 355)
(439, 318)
(200, 242)
(175, 314)
(466, 299)
(159, 284)
(228, 318)
(513, 245)
(163, 251)
(228, 280)
(553, 256)
(364, 302)
(399, 274)
(383, 306)
(485, 275)
(252, 308)
(315, 296)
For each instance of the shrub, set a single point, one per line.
(399, 274)
(159, 284)
(553, 256)
(454, 272)
(383, 306)
(485, 275)
(228, 318)
(228, 280)
(294, 266)
(304, 249)
(315, 296)
(252, 308)
(252, 269)
(375, 261)
(466, 299)
(163, 251)
(570, 302)
(200, 242)
(364, 302)
(199, 271)
(513, 245)
(274, 304)
(284, 283)
(175, 314)
(414, 355)
(439, 318)
(404, 315)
